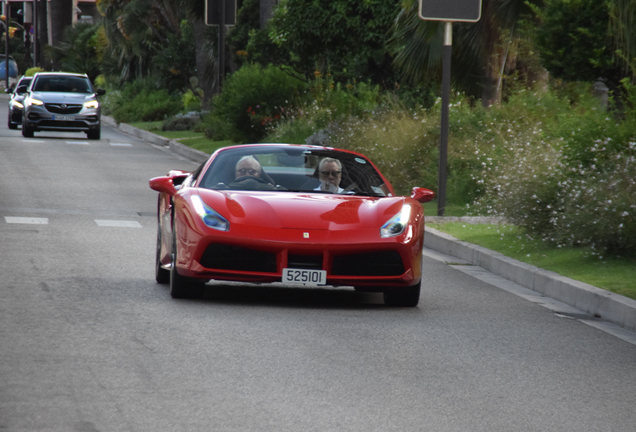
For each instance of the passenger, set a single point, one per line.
(330, 174)
(247, 166)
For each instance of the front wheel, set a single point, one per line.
(11, 124)
(162, 275)
(182, 287)
(403, 297)
(27, 132)
(94, 134)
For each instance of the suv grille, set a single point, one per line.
(57, 108)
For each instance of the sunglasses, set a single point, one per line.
(330, 173)
(244, 171)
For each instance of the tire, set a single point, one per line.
(182, 287)
(162, 275)
(10, 124)
(27, 132)
(403, 297)
(94, 134)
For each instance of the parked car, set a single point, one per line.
(59, 101)
(293, 214)
(16, 103)
(13, 72)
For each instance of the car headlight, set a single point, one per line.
(17, 104)
(396, 225)
(210, 217)
(91, 104)
(36, 102)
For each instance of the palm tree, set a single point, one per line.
(479, 49)
(623, 29)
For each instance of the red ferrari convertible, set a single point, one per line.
(293, 214)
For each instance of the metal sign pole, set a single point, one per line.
(443, 141)
(7, 65)
(221, 42)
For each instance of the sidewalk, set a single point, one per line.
(591, 300)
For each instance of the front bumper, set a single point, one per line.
(39, 119)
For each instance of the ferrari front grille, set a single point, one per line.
(382, 263)
(226, 257)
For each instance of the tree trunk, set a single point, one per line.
(61, 18)
(266, 9)
(493, 55)
(41, 31)
(204, 62)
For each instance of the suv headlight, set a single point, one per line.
(396, 225)
(210, 217)
(36, 102)
(91, 104)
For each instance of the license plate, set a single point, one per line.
(64, 117)
(304, 277)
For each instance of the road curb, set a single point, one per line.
(594, 301)
(173, 145)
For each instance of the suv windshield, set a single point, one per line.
(63, 84)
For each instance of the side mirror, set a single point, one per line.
(168, 184)
(422, 194)
(21, 89)
(8, 90)
(100, 92)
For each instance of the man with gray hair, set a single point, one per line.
(330, 174)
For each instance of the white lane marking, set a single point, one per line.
(117, 223)
(26, 220)
(77, 142)
(32, 141)
(121, 144)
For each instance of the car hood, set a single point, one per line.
(289, 210)
(67, 98)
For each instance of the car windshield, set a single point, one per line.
(63, 84)
(294, 169)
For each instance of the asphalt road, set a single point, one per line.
(89, 342)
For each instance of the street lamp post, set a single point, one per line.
(7, 65)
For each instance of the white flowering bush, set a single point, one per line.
(575, 183)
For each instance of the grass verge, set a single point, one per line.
(196, 140)
(614, 274)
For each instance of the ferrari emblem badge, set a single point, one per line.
(305, 235)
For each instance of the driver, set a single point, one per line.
(247, 166)
(330, 174)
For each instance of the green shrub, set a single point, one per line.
(253, 99)
(32, 71)
(141, 100)
(573, 181)
(180, 123)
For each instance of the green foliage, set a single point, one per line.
(32, 71)
(573, 40)
(345, 37)
(180, 123)
(247, 19)
(142, 100)
(572, 182)
(78, 50)
(174, 58)
(253, 99)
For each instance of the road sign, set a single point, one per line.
(450, 10)
(213, 12)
